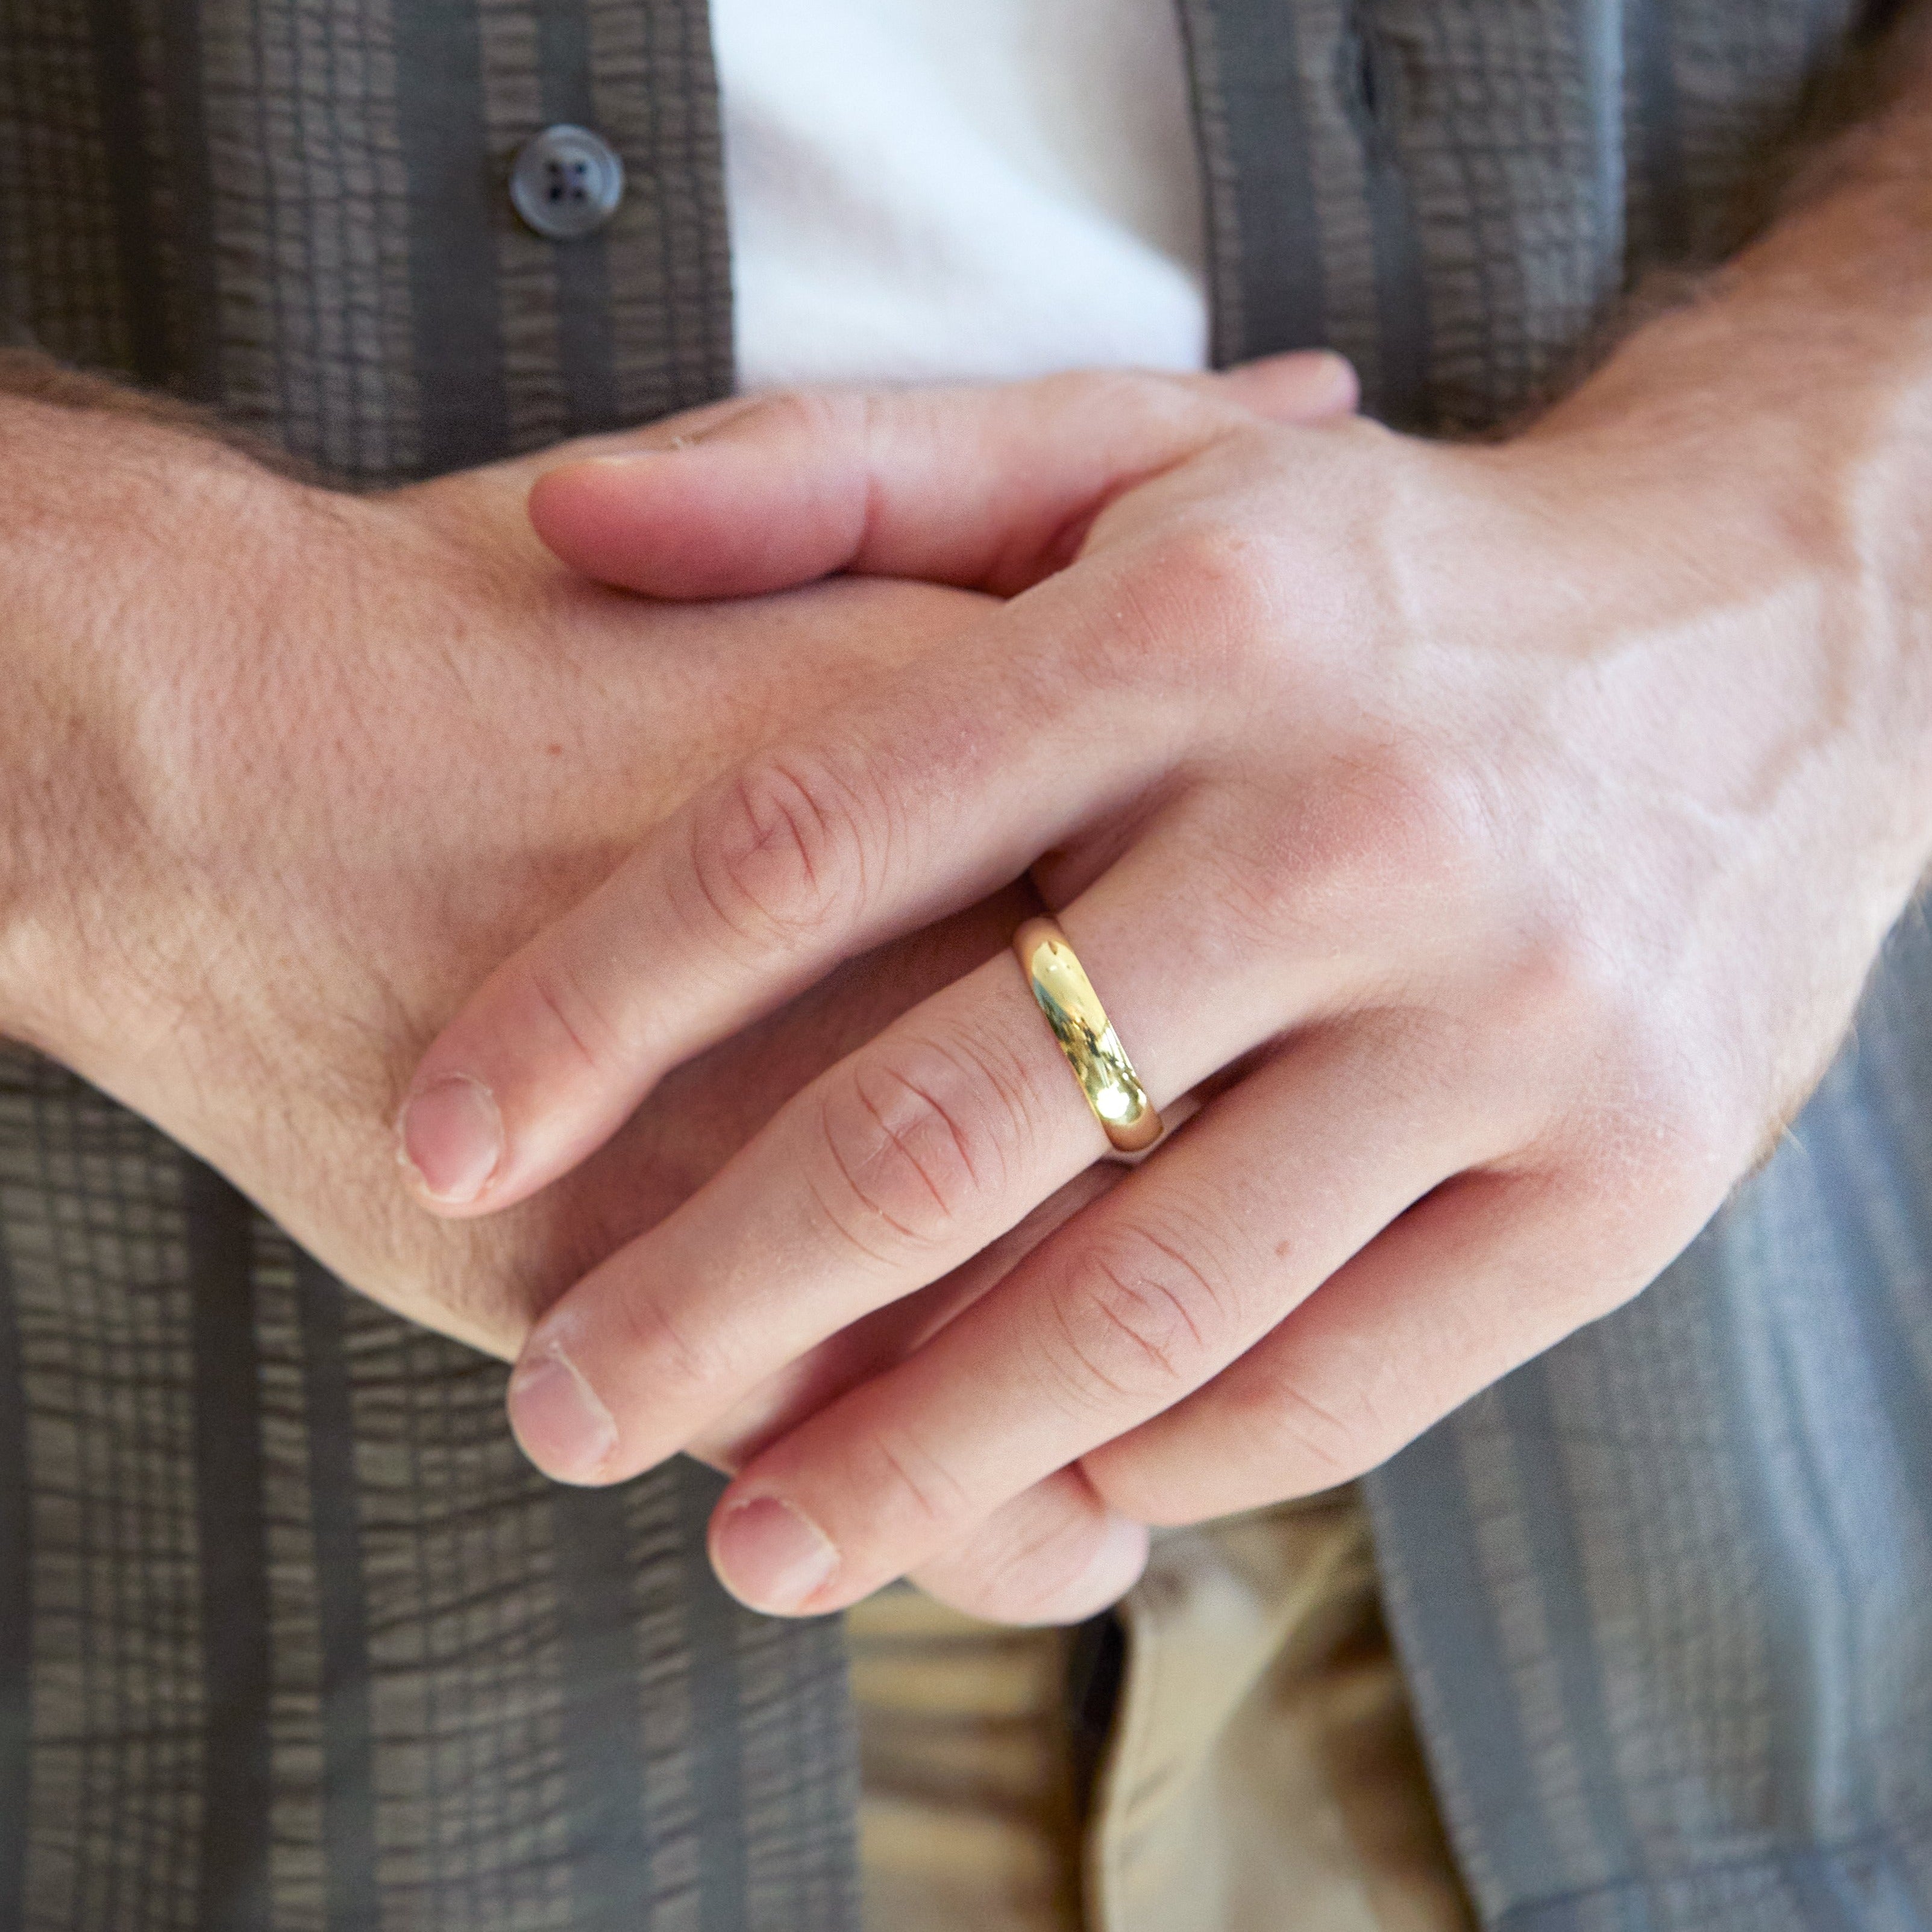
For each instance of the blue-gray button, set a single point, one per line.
(567, 182)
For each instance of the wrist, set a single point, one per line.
(1750, 505)
(1788, 406)
(1806, 509)
(122, 544)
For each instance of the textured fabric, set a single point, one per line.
(296, 211)
(290, 1636)
(1456, 193)
(1656, 1593)
(1663, 1592)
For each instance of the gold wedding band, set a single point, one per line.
(1093, 1049)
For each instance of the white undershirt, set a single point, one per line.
(925, 190)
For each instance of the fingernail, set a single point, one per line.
(564, 1429)
(770, 1556)
(452, 1135)
(1337, 378)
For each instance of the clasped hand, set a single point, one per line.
(1479, 849)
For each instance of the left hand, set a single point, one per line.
(1494, 840)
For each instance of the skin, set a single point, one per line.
(1489, 843)
(287, 771)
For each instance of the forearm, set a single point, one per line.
(116, 509)
(1799, 377)
(1774, 434)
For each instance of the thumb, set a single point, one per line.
(988, 487)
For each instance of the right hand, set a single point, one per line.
(294, 770)
(297, 768)
(283, 773)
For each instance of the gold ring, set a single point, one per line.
(1086, 1036)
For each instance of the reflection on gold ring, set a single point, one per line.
(1066, 997)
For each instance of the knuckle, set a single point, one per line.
(1660, 1125)
(1226, 573)
(565, 1009)
(927, 1490)
(1024, 1563)
(1397, 833)
(1217, 556)
(1412, 817)
(1136, 1319)
(1657, 1111)
(1306, 1443)
(1208, 582)
(918, 1135)
(1558, 978)
(784, 853)
(812, 416)
(1114, 395)
(681, 1368)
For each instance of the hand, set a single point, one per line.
(1494, 839)
(315, 761)
(339, 756)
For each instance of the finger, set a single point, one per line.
(981, 487)
(1472, 1283)
(1134, 1304)
(916, 802)
(1055, 1555)
(890, 1170)
(1299, 385)
(872, 1344)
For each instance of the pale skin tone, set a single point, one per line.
(1489, 844)
(285, 771)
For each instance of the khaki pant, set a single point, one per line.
(1262, 1773)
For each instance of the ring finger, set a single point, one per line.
(888, 1170)
(1135, 1303)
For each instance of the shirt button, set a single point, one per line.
(567, 182)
